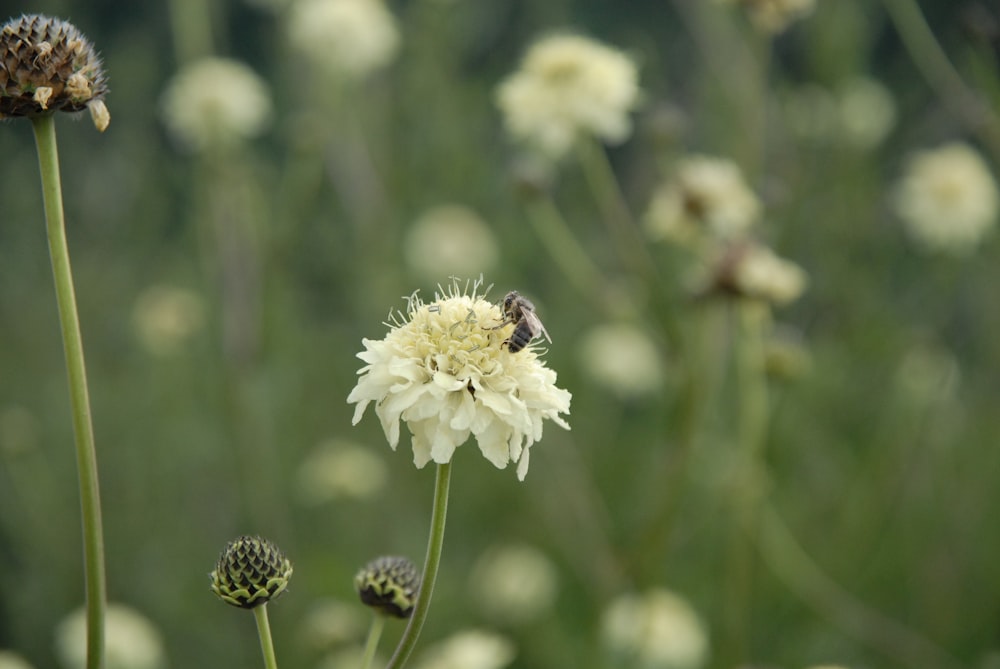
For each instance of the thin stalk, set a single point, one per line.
(564, 248)
(371, 645)
(86, 456)
(264, 632)
(747, 492)
(434, 544)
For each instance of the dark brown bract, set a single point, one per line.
(47, 65)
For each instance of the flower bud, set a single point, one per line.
(390, 585)
(251, 571)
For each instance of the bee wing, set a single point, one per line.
(536, 324)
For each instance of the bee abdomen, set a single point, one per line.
(519, 338)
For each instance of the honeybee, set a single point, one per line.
(518, 310)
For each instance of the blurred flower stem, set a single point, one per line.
(939, 72)
(371, 645)
(748, 482)
(435, 543)
(264, 631)
(86, 456)
(563, 246)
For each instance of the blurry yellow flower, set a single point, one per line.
(706, 195)
(450, 240)
(10, 660)
(442, 370)
(131, 641)
(470, 649)
(655, 630)
(331, 622)
(569, 86)
(339, 469)
(774, 16)
(216, 102)
(344, 38)
(751, 270)
(622, 358)
(948, 198)
(867, 112)
(514, 584)
(165, 318)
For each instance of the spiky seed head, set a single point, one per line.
(47, 65)
(251, 571)
(389, 584)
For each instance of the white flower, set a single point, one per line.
(131, 641)
(165, 318)
(759, 273)
(470, 649)
(774, 16)
(514, 584)
(867, 111)
(947, 198)
(442, 369)
(10, 660)
(332, 622)
(216, 102)
(567, 86)
(344, 38)
(623, 358)
(450, 240)
(654, 630)
(338, 469)
(705, 195)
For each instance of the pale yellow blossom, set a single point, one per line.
(131, 640)
(444, 371)
(948, 198)
(344, 38)
(656, 629)
(569, 86)
(450, 240)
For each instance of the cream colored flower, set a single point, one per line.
(332, 622)
(450, 240)
(761, 274)
(774, 16)
(10, 660)
(344, 38)
(948, 198)
(443, 371)
(339, 469)
(216, 102)
(166, 317)
(867, 112)
(654, 630)
(569, 86)
(131, 641)
(706, 195)
(514, 584)
(470, 649)
(622, 358)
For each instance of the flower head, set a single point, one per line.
(622, 358)
(251, 571)
(340, 470)
(47, 65)
(165, 318)
(569, 86)
(514, 583)
(654, 630)
(389, 584)
(947, 198)
(450, 240)
(754, 271)
(216, 102)
(444, 371)
(344, 38)
(774, 16)
(706, 195)
(131, 640)
(469, 649)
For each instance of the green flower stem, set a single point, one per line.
(564, 248)
(371, 645)
(617, 217)
(434, 544)
(748, 484)
(264, 631)
(86, 457)
(792, 565)
(940, 73)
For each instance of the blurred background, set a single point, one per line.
(751, 479)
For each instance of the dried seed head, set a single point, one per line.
(251, 571)
(47, 65)
(390, 585)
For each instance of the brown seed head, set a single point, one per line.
(47, 65)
